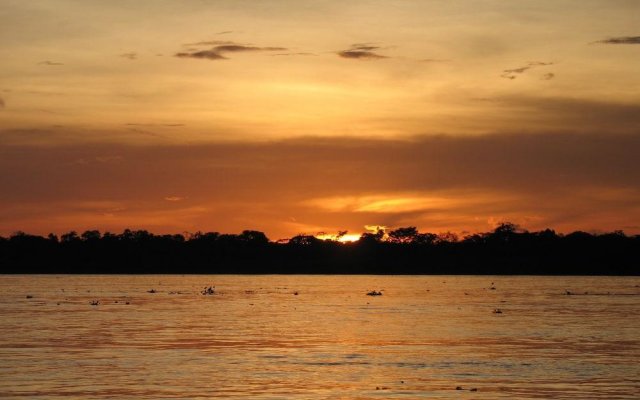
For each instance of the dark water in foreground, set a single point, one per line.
(256, 339)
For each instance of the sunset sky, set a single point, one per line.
(306, 116)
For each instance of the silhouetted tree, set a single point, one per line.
(91, 235)
(255, 238)
(447, 237)
(403, 235)
(69, 237)
(505, 250)
(369, 237)
(303, 240)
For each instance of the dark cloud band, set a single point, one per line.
(559, 179)
(621, 40)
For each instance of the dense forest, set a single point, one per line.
(505, 250)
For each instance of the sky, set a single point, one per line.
(299, 117)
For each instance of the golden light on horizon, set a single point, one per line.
(346, 238)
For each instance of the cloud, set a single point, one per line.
(224, 32)
(577, 115)
(514, 72)
(548, 76)
(50, 63)
(209, 43)
(146, 132)
(397, 202)
(358, 54)
(364, 46)
(98, 159)
(129, 56)
(237, 48)
(566, 181)
(2, 104)
(621, 40)
(174, 198)
(361, 51)
(172, 125)
(539, 63)
(216, 53)
(204, 54)
(294, 54)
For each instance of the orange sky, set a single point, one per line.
(299, 117)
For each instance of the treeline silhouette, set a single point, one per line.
(506, 250)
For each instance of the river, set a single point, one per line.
(321, 337)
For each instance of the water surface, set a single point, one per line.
(255, 338)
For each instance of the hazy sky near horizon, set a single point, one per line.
(306, 116)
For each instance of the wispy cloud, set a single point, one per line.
(50, 63)
(295, 54)
(548, 76)
(209, 43)
(236, 48)
(224, 32)
(621, 40)
(204, 54)
(217, 52)
(174, 198)
(395, 202)
(145, 132)
(172, 125)
(99, 159)
(432, 60)
(513, 73)
(361, 51)
(129, 56)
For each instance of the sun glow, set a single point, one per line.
(346, 238)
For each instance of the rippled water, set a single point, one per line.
(256, 339)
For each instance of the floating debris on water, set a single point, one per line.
(295, 293)
(374, 293)
(497, 311)
(208, 290)
(151, 291)
(568, 293)
(94, 302)
(29, 296)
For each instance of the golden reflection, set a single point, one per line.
(422, 338)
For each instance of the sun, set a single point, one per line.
(346, 238)
(349, 237)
